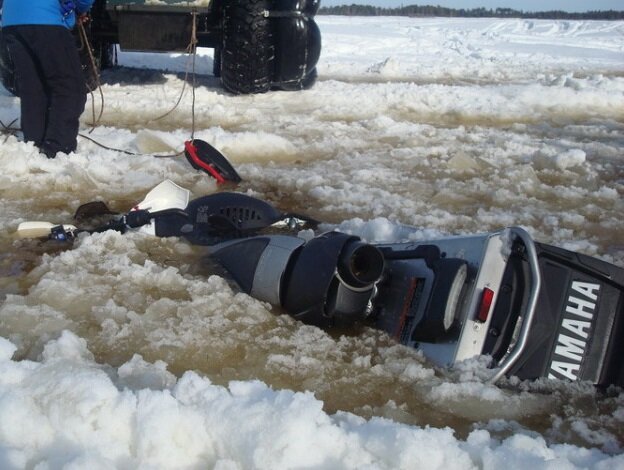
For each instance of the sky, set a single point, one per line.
(526, 5)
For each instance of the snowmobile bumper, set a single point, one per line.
(537, 310)
(578, 330)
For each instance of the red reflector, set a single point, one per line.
(486, 302)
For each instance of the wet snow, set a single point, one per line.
(124, 351)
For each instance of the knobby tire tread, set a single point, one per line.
(248, 52)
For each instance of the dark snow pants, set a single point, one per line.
(50, 84)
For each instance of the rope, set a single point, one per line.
(9, 128)
(128, 152)
(190, 49)
(194, 44)
(84, 39)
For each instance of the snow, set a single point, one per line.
(68, 411)
(130, 352)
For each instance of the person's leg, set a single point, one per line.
(65, 83)
(33, 97)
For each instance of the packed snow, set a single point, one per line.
(125, 351)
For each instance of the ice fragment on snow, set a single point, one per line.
(6, 349)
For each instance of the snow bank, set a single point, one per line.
(69, 411)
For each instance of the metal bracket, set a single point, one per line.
(513, 356)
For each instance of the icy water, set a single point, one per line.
(473, 127)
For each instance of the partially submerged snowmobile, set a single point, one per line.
(537, 310)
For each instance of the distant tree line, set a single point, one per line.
(430, 10)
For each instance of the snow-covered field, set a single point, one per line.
(125, 352)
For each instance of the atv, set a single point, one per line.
(258, 45)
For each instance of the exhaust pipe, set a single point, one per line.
(330, 279)
(360, 265)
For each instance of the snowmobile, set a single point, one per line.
(535, 309)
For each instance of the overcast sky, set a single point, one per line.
(525, 5)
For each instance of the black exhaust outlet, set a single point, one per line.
(360, 265)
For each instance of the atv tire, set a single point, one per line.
(304, 84)
(248, 50)
(297, 45)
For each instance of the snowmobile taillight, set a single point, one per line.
(486, 304)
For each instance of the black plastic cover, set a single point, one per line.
(220, 216)
(308, 283)
(203, 156)
(241, 258)
(578, 328)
